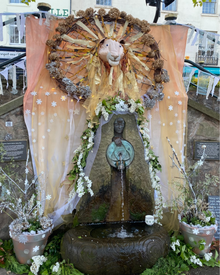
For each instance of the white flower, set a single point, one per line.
(198, 262)
(200, 163)
(8, 192)
(33, 93)
(89, 125)
(208, 256)
(98, 108)
(177, 243)
(207, 219)
(176, 93)
(48, 197)
(34, 269)
(173, 246)
(195, 231)
(36, 248)
(55, 268)
(38, 261)
(47, 93)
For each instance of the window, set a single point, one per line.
(171, 7)
(206, 51)
(15, 37)
(104, 2)
(15, 2)
(209, 7)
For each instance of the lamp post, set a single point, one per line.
(157, 4)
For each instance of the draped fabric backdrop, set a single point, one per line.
(55, 122)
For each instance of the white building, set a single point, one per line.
(11, 35)
(204, 18)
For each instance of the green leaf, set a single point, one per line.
(13, 265)
(2, 253)
(184, 267)
(45, 272)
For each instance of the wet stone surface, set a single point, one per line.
(119, 249)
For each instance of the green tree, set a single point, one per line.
(199, 2)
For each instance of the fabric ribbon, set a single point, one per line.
(1, 88)
(18, 22)
(22, 25)
(5, 74)
(204, 41)
(1, 28)
(21, 65)
(211, 81)
(190, 35)
(14, 78)
(216, 80)
(195, 37)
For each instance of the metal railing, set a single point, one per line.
(209, 58)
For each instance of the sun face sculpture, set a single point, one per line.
(111, 51)
(99, 55)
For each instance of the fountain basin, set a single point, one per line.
(119, 249)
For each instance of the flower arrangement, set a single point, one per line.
(185, 251)
(82, 183)
(24, 203)
(190, 203)
(37, 262)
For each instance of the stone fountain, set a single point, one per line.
(111, 237)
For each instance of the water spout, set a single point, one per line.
(122, 192)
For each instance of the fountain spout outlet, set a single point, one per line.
(120, 153)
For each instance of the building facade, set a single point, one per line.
(205, 18)
(13, 40)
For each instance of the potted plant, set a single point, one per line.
(197, 222)
(29, 229)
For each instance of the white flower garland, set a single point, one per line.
(84, 184)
